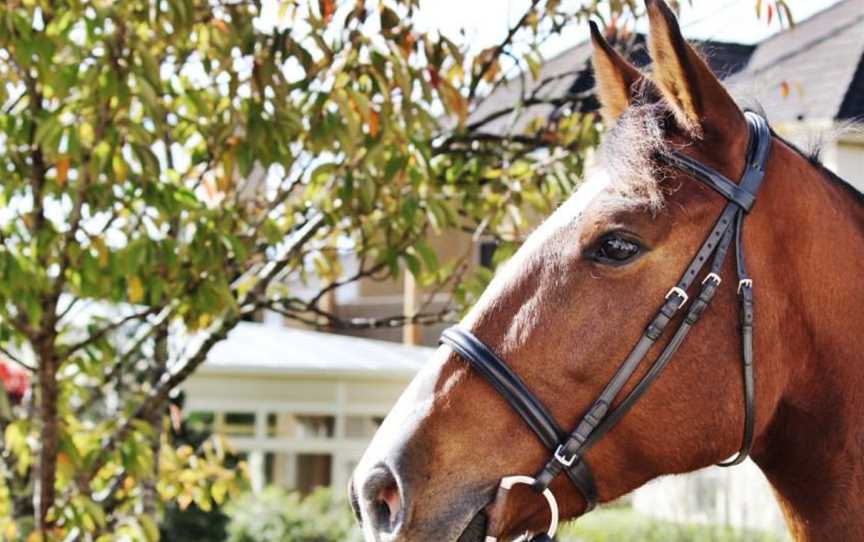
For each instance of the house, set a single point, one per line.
(300, 406)
(810, 81)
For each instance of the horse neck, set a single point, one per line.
(810, 241)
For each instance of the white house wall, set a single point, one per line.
(343, 398)
(739, 497)
(850, 162)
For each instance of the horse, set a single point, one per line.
(560, 315)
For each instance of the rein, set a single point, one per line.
(568, 450)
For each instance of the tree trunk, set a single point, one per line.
(154, 418)
(46, 464)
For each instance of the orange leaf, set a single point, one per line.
(770, 13)
(210, 187)
(784, 89)
(406, 44)
(184, 500)
(373, 123)
(62, 170)
(492, 71)
(327, 8)
(434, 77)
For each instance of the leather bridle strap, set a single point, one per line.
(600, 417)
(513, 390)
(571, 452)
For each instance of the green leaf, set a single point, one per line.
(430, 260)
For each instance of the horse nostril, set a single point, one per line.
(384, 501)
(388, 505)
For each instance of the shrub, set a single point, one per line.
(275, 515)
(626, 525)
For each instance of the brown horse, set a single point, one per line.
(568, 306)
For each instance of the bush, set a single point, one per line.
(275, 515)
(626, 525)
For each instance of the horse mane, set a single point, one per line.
(813, 155)
(629, 147)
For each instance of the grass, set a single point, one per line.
(626, 525)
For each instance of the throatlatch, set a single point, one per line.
(568, 450)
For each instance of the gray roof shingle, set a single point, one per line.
(810, 71)
(570, 73)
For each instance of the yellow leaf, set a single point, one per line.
(86, 133)
(151, 530)
(203, 321)
(101, 250)
(283, 9)
(36, 536)
(184, 452)
(219, 491)
(134, 289)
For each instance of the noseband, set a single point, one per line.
(568, 451)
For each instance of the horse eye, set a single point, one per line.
(614, 249)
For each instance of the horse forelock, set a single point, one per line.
(627, 154)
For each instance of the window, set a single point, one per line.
(300, 426)
(313, 470)
(362, 427)
(239, 424)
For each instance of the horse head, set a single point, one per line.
(570, 304)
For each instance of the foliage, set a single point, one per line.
(173, 166)
(192, 522)
(626, 525)
(277, 516)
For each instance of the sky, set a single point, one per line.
(486, 21)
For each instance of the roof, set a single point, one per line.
(570, 73)
(262, 348)
(811, 71)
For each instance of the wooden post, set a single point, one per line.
(411, 301)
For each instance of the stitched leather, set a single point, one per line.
(506, 383)
(513, 390)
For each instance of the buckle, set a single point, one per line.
(564, 460)
(715, 277)
(744, 282)
(680, 293)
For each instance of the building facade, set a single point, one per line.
(299, 406)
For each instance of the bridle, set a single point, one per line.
(568, 450)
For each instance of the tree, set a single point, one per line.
(171, 167)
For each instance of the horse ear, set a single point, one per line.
(697, 97)
(614, 77)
